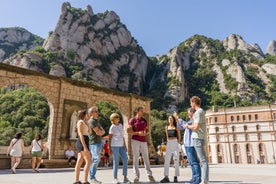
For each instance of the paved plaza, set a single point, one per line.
(219, 174)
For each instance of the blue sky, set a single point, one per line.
(157, 25)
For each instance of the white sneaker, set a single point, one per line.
(115, 181)
(13, 170)
(95, 181)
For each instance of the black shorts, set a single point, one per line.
(79, 146)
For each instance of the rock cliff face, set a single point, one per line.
(229, 64)
(110, 55)
(271, 48)
(98, 48)
(15, 39)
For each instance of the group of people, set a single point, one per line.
(16, 150)
(89, 145)
(194, 142)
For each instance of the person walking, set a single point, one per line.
(198, 128)
(15, 150)
(36, 149)
(173, 142)
(118, 147)
(189, 147)
(95, 142)
(138, 128)
(82, 146)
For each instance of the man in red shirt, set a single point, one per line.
(138, 128)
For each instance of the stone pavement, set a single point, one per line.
(219, 174)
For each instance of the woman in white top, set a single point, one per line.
(15, 150)
(36, 151)
(82, 146)
(118, 148)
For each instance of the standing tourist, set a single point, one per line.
(36, 149)
(199, 136)
(82, 146)
(95, 142)
(15, 150)
(173, 141)
(118, 147)
(138, 128)
(189, 147)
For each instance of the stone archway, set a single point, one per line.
(64, 95)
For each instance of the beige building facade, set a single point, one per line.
(244, 135)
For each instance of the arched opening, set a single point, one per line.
(262, 157)
(219, 154)
(249, 153)
(23, 109)
(236, 153)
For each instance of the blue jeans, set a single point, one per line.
(116, 153)
(199, 145)
(95, 150)
(194, 162)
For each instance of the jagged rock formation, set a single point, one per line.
(230, 64)
(271, 48)
(110, 55)
(15, 39)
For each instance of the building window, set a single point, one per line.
(234, 137)
(210, 120)
(274, 115)
(245, 128)
(235, 148)
(243, 117)
(206, 120)
(246, 137)
(217, 137)
(233, 128)
(219, 151)
(261, 147)
(216, 119)
(249, 117)
(256, 116)
(232, 118)
(218, 148)
(257, 127)
(259, 136)
(217, 129)
(247, 148)
(236, 153)
(209, 149)
(238, 118)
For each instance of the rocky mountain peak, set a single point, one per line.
(102, 44)
(271, 48)
(236, 42)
